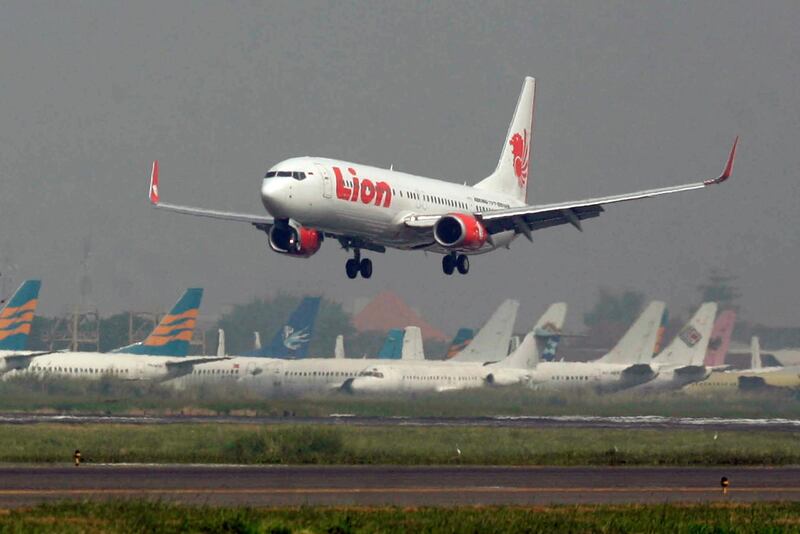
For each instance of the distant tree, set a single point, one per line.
(115, 330)
(720, 287)
(611, 315)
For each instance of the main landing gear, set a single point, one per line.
(357, 264)
(454, 261)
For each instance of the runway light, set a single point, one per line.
(724, 483)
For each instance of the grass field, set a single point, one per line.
(110, 396)
(156, 517)
(326, 444)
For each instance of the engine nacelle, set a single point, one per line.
(506, 377)
(461, 231)
(294, 240)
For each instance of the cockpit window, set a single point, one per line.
(376, 374)
(287, 174)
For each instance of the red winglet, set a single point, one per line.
(154, 183)
(728, 167)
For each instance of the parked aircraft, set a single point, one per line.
(491, 342)
(720, 339)
(169, 343)
(681, 363)
(627, 364)
(452, 375)
(462, 338)
(310, 199)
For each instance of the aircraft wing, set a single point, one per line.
(260, 221)
(185, 366)
(528, 218)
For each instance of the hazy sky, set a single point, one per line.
(631, 95)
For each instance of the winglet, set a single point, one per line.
(153, 193)
(728, 167)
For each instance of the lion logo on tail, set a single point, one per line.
(520, 151)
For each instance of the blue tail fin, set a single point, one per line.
(17, 316)
(392, 348)
(293, 339)
(174, 333)
(460, 342)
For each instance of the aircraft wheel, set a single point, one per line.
(351, 267)
(448, 264)
(462, 262)
(366, 268)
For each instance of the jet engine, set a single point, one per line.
(294, 240)
(505, 377)
(459, 230)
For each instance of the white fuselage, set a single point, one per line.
(572, 375)
(94, 365)
(349, 199)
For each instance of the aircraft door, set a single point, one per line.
(420, 199)
(327, 185)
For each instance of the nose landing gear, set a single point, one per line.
(357, 264)
(454, 261)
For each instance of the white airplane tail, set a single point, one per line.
(338, 350)
(256, 341)
(755, 353)
(490, 344)
(221, 343)
(412, 344)
(529, 352)
(690, 345)
(638, 343)
(511, 175)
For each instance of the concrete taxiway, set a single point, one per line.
(390, 485)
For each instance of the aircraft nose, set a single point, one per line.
(275, 195)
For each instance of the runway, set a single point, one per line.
(390, 485)
(563, 421)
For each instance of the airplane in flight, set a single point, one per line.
(366, 208)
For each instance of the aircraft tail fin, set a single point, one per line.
(689, 346)
(511, 175)
(545, 335)
(638, 343)
(412, 344)
(490, 344)
(293, 339)
(221, 343)
(256, 340)
(755, 353)
(16, 318)
(662, 332)
(463, 338)
(338, 350)
(720, 339)
(172, 335)
(392, 348)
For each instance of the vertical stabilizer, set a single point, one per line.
(392, 348)
(256, 340)
(511, 175)
(720, 339)
(338, 350)
(173, 334)
(755, 353)
(221, 343)
(638, 343)
(463, 338)
(293, 339)
(689, 346)
(490, 344)
(546, 333)
(412, 344)
(16, 318)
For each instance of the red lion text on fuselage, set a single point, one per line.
(364, 189)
